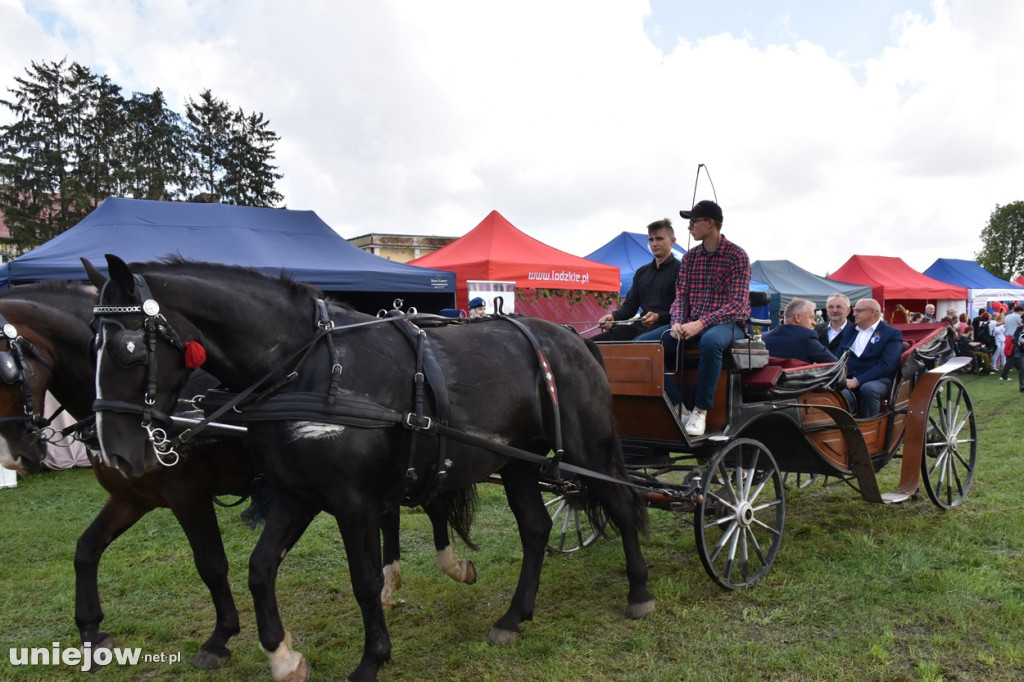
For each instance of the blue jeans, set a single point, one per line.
(713, 342)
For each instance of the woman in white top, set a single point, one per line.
(999, 334)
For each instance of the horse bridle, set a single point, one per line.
(13, 369)
(132, 347)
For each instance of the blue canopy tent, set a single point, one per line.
(629, 251)
(792, 281)
(272, 241)
(982, 286)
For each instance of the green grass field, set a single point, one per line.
(858, 592)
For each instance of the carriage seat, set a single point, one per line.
(786, 377)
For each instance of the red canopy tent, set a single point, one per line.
(1019, 280)
(550, 284)
(893, 283)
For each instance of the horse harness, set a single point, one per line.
(13, 369)
(338, 405)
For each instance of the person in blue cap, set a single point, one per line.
(477, 307)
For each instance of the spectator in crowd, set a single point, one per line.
(1012, 322)
(477, 307)
(929, 312)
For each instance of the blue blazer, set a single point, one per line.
(879, 359)
(799, 343)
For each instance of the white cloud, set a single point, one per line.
(406, 116)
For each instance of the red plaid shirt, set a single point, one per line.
(712, 287)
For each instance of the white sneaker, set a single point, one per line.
(695, 425)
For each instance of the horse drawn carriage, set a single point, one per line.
(787, 418)
(357, 413)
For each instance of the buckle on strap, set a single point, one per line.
(417, 422)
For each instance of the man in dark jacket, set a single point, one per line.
(875, 350)
(837, 309)
(796, 338)
(652, 291)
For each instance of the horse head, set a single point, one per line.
(142, 363)
(26, 370)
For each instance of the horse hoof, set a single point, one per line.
(500, 636)
(209, 660)
(470, 573)
(300, 674)
(641, 610)
(103, 640)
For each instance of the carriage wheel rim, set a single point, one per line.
(739, 520)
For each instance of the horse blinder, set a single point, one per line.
(10, 370)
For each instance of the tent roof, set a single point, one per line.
(1019, 280)
(497, 250)
(792, 281)
(890, 278)
(269, 240)
(967, 273)
(628, 251)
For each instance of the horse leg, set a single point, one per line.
(359, 523)
(390, 524)
(524, 498)
(116, 516)
(199, 521)
(458, 569)
(628, 512)
(287, 521)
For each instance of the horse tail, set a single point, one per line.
(460, 508)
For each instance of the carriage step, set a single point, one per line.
(895, 498)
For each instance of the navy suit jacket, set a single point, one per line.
(879, 359)
(799, 343)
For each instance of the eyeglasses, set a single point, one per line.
(698, 220)
(838, 307)
(864, 310)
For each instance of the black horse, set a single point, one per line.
(353, 414)
(49, 349)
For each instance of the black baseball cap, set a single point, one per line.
(704, 209)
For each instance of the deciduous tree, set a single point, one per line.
(1002, 251)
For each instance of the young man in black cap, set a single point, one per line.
(712, 293)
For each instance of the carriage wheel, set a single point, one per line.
(571, 529)
(797, 480)
(951, 444)
(738, 520)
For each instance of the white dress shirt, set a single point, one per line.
(863, 337)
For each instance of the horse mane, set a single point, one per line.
(179, 265)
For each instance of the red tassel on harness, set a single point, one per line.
(195, 354)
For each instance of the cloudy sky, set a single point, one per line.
(879, 127)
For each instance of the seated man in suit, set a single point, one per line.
(796, 339)
(875, 350)
(837, 309)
